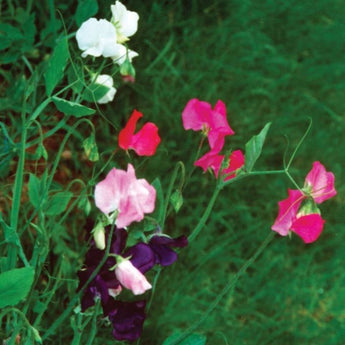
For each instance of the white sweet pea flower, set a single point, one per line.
(122, 53)
(97, 37)
(126, 22)
(106, 80)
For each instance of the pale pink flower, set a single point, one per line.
(131, 278)
(122, 192)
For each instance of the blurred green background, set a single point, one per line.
(269, 60)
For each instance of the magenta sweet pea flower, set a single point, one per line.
(320, 183)
(145, 141)
(121, 192)
(130, 277)
(306, 221)
(199, 116)
(236, 161)
(212, 160)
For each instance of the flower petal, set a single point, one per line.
(196, 115)
(322, 183)
(308, 227)
(212, 160)
(131, 278)
(236, 161)
(287, 212)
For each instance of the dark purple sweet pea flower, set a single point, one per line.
(161, 246)
(141, 256)
(127, 319)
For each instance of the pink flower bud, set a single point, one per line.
(131, 278)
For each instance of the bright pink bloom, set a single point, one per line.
(287, 212)
(236, 161)
(308, 227)
(320, 182)
(211, 159)
(145, 141)
(199, 115)
(308, 223)
(121, 191)
(131, 278)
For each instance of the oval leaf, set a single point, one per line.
(72, 108)
(15, 285)
(254, 148)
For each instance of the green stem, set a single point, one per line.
(17, 192)
(228, 287)
(206, 214)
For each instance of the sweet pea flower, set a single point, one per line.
(123, 54)
(320, 183)
(126, 22)
(145, 141)
(127, 319)
(106, 80)
(199, 115)
(125, 195)
(130, 277)
(236, 161)
(211, 160)
(97, 37)
(306, 221)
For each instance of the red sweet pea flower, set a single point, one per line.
(144, 142)
(306, 221)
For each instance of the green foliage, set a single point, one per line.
(85, 10)
(72, 108)
(15, 285)
(56, 65)
(254, 148)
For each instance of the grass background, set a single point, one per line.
(279, 61)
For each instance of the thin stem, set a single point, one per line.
(206, 214)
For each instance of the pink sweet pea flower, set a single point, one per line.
(199, 115)
(131, 278)
(122, 192)
(144, 142)
(308, 223)
(236, 161)
(320, 183)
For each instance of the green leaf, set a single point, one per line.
(57, 203)
(85, 10)
(192, 339)
(176, 200)
(56, 66)
(36, 190)
(8, 34)
(72, 108)
(15, 285)
(90, 148)
(254, 148)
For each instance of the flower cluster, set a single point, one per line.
(124, 199)
(305, 220)
(124, 268)
(100, 37)
(199, 116)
